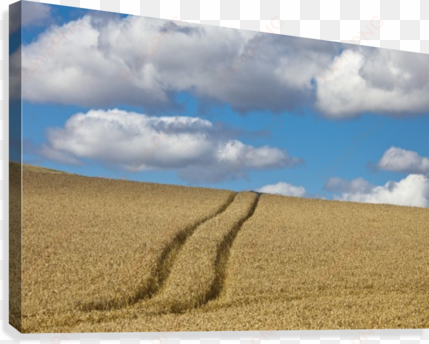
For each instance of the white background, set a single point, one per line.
(405, 26)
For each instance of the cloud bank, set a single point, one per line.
(143, 61)
(410, 191)
(196, 148)
(146, 62)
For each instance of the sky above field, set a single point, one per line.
(163, 101)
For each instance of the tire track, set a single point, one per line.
(161, 271)
(198, 273)
(224, 253)
(171, 252)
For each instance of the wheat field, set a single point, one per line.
(104, 255)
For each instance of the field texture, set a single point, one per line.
(110, 255)
(99, 244)
(15, 305)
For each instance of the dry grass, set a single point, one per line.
(292, 264)
(353, 265)
(93, 243)
(15, 305)
(197, 274)
(15, 167)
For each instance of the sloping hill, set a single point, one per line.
(15, 166)
(113, 255)
(102, 241)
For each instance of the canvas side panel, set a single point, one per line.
(15, 165)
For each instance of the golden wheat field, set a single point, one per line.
(111, 255)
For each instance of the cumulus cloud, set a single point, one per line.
(196, 148)
(284, 189)
(144, 61)
(33, 14)
(377, 80)
(401, 160)
(410, 191)
(141, 61)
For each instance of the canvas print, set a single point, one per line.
(168, 176)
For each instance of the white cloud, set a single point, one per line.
(197, 149)
(284, 189)
(410, 191)
(401, 160)
(33, 13)
(376, 80)
(85, 67)
(145, 62)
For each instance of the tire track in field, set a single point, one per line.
(171, 252)
(198, 273)
(224, 253)
(162, 270)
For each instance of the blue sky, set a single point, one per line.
(308, 122)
